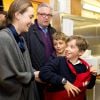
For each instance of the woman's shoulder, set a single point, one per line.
(5, 36)
(4, 33)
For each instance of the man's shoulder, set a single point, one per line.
(33, 29)
(52, 29)
(50, 26)
(33, 26)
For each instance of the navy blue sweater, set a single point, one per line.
(56, 69)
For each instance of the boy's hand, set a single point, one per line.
(71, 89)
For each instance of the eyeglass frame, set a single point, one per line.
(45, 15)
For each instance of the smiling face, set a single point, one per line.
(44, 16)
(25, 19)
(20, 15)
(72, 51)
(76, 46)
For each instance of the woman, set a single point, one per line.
(16, 72)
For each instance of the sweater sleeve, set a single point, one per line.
(92, 82)
(49, 72)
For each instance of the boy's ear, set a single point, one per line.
(81, 53)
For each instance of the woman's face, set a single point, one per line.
(25, 20)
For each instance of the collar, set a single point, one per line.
(78, 62)
(18, 38)
(14, 32)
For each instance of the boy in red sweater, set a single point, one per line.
(69, 76)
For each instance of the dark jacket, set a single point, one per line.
(57, 69)
(36, 45)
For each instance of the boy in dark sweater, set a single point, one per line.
(69, 77)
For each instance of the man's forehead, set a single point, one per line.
(44, 9)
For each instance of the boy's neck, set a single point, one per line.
(74, 61)
(60, 54)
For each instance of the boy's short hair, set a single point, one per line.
(59, 36)
(81, 42)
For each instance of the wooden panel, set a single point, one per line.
(35, 5)
(47, 1)
(56, 22)
(6, 3)
(76, 7)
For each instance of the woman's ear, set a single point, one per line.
(17, 15)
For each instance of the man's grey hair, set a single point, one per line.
(43, 5)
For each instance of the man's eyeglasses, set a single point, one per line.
(45, 15)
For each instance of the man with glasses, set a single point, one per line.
(39, 40)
